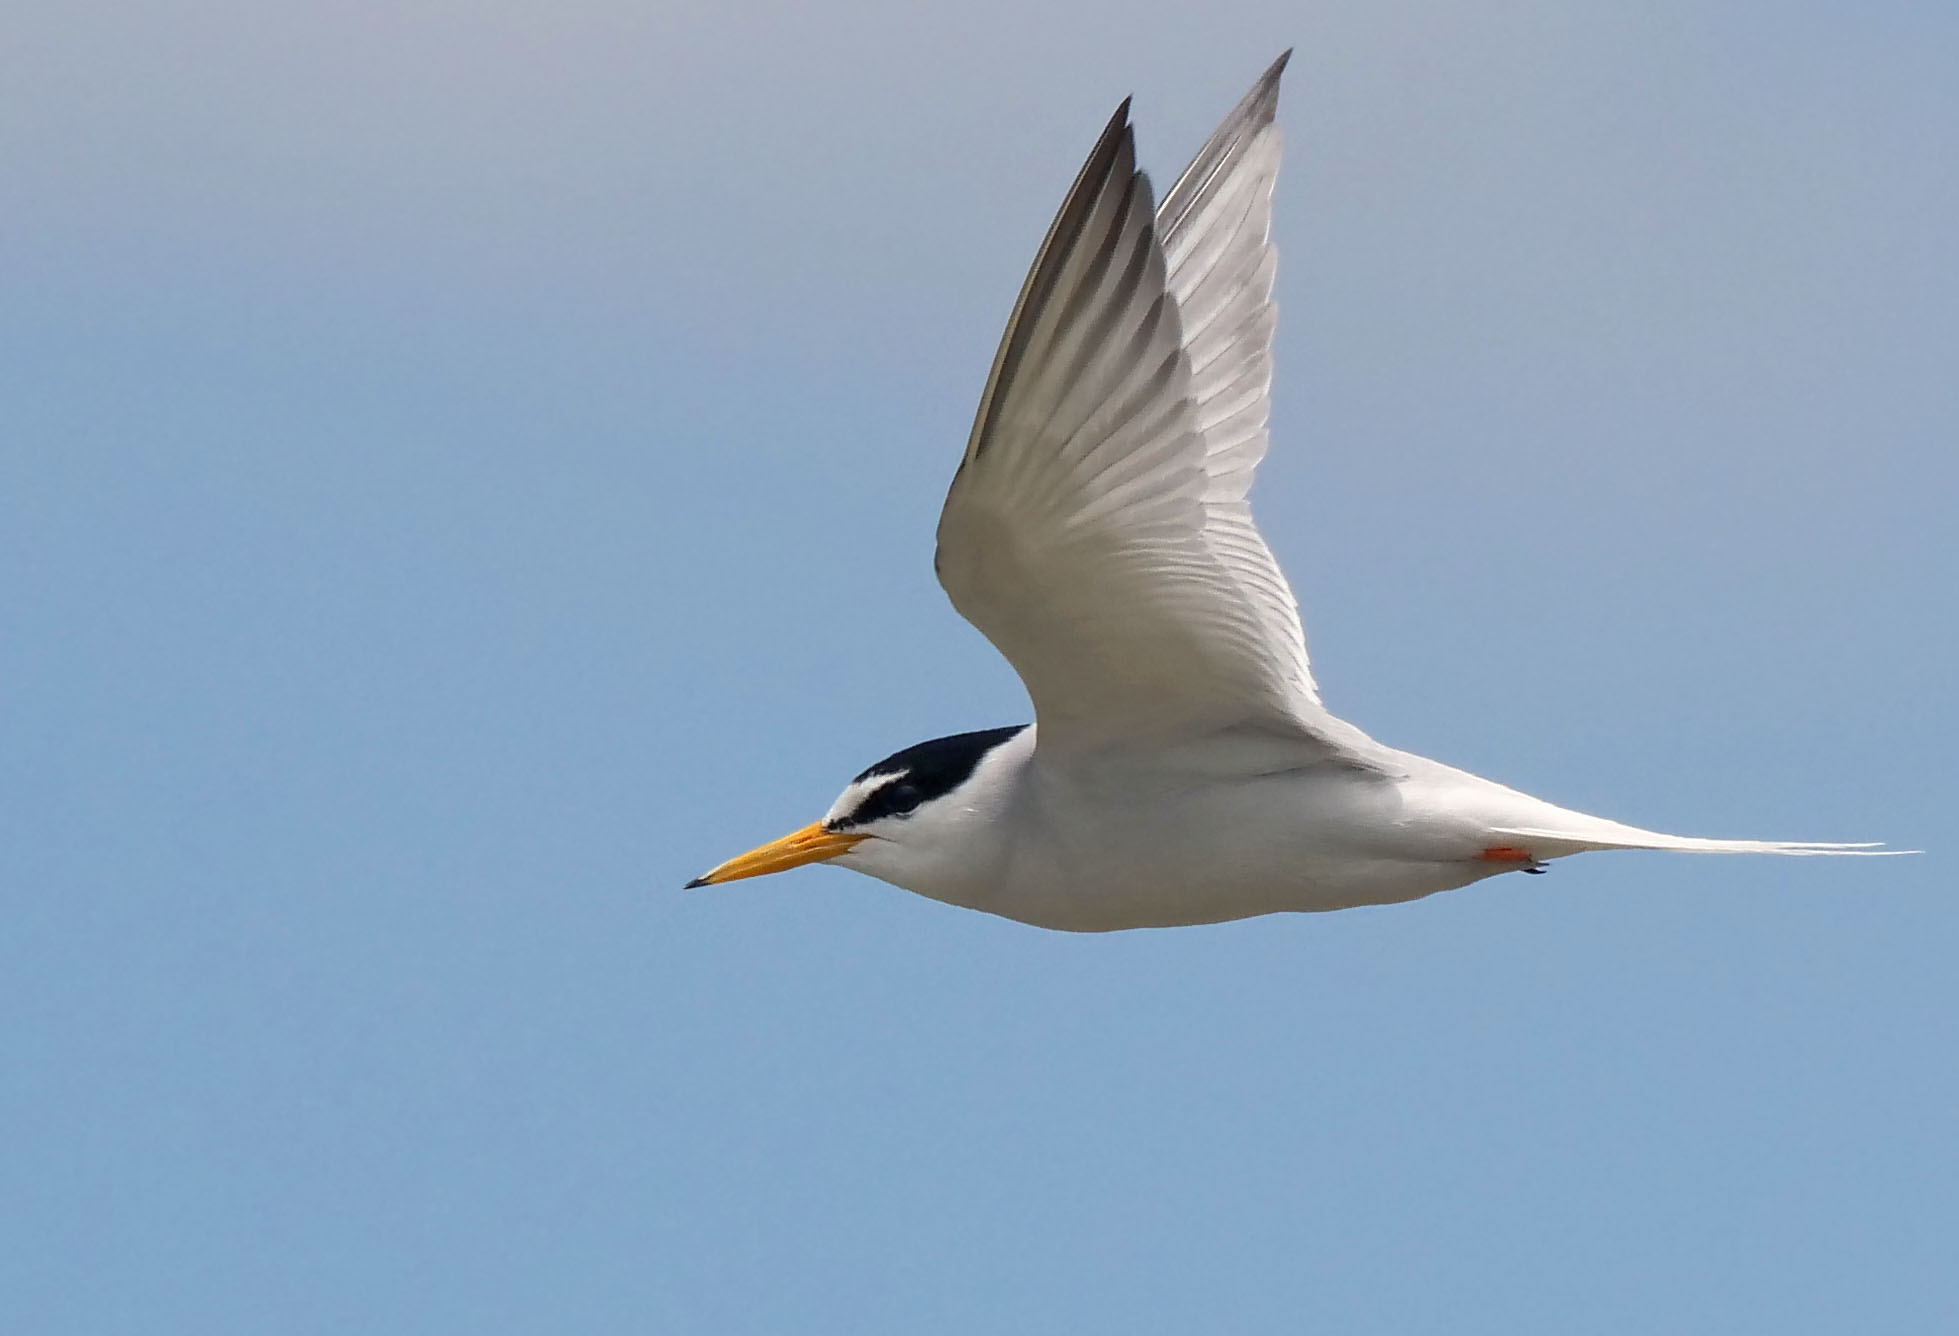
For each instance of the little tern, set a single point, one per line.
(1181, 768)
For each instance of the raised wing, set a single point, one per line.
(1097, 531)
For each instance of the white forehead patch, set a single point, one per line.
(854, 794)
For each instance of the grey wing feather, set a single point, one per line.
(1216, 225)
(1097, 530)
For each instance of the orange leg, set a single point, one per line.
(1504, 853)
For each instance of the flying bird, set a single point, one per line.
(1181, 768)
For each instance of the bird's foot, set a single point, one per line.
(1509, 853)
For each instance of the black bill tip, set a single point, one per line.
(696, 882)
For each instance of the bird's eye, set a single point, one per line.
(893, 800)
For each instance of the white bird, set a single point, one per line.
(1181, 768)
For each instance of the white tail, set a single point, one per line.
(1590, 833)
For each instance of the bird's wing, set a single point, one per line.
(1097, 531)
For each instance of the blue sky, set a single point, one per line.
(466, 469)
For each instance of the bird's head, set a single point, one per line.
(893, 820)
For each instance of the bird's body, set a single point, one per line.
(1183, 769)
(1129, 841)
(1225, 828)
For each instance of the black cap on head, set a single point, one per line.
(923, 772)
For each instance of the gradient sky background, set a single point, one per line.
(465, 469)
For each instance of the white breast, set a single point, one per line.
(1121, 845)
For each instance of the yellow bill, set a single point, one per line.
(811, 844)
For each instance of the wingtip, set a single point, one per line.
(1110, 140)
(1261, 104)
